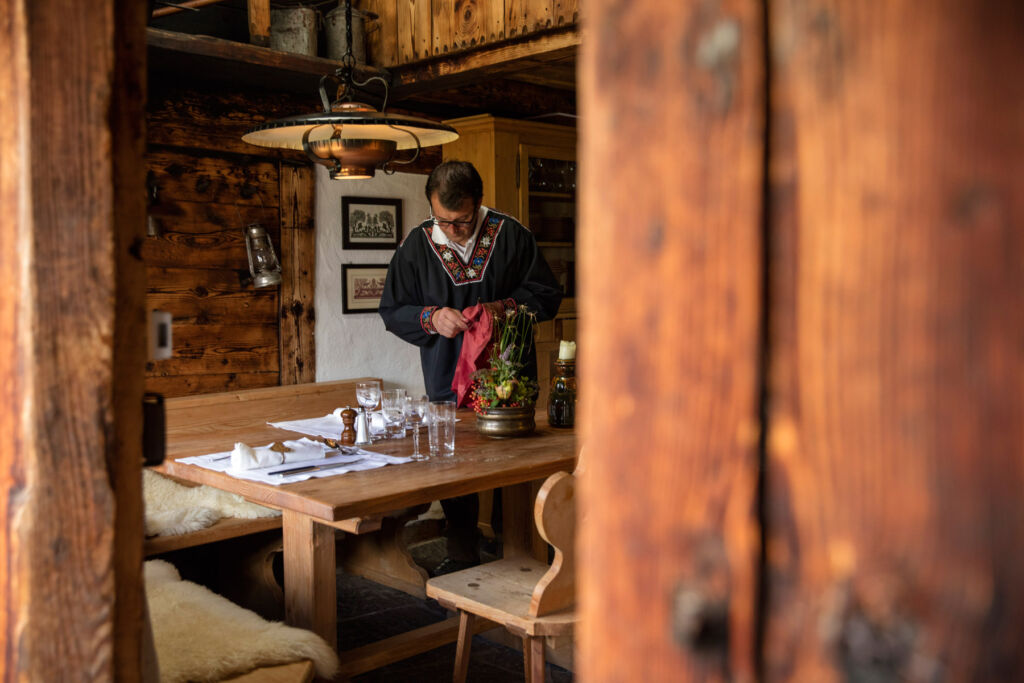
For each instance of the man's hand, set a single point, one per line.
(448, 322)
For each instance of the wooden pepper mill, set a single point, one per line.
(348, 434)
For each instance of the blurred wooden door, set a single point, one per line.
(802, 340)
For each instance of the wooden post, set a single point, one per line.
(71, 345)
(671, 168)
(259, 22)
(895, 434)
(298, 274)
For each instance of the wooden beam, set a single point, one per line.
(670, 144)
(71, 321)
(396, 648)
(134, 657)
(298, 272)
(259, 22)
(894, 469)
(488, 61)
(181, 6)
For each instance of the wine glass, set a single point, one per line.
(415, 412)
(368, 395)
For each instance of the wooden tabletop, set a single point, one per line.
(479, 463)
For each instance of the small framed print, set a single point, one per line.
(370, 222)
(361, 287)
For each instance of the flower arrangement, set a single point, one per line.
(502, 384)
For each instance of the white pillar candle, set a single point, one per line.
(566, 350)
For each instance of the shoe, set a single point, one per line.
(448, 566)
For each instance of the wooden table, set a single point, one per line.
(312, 508)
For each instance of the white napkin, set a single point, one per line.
(245, 457)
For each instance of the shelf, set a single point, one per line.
(186, 55)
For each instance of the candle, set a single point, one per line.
(567, 350)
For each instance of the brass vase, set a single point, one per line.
(504, 423)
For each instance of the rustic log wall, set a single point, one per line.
(206, 185)
(409, 30)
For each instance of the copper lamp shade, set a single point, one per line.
(350, 138)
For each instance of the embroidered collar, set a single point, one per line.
(473, 271)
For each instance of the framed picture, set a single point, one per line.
(370, 222)
(362, 285)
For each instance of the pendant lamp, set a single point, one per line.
(350, 138)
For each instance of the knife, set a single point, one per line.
(314, 468)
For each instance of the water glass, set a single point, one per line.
(441, 428)
(393, 405)
(415, 413)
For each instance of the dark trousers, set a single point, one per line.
(462, 514)
(461, 535)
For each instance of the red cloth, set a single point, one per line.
(475, 342)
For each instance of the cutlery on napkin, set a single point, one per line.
(317, 468)
(245, 457)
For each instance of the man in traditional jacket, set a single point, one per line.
(464, 254)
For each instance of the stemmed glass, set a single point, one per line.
(368, 395)
(415, 412)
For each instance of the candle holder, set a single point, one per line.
(562, 399)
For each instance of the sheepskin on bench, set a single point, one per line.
(173, 509)
(201, 636)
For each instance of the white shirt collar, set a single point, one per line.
(463, 250)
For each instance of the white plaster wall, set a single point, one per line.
(356, 344)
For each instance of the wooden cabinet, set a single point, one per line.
(529, 171)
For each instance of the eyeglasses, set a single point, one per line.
(451, 224)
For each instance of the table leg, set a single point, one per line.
(310, 583)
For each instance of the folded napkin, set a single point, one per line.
(245, 457)
(473, 356)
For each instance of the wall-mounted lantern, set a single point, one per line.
(263, 264)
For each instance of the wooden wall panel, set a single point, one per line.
(221, 348)
(203, 295)
(413, 24)
(413, 30)
(565, 12)
(182, 176)
(201, 244)
(671, 146)
(190, 118)
(895, 478)
(466, 23)
(199, 269)
(190, 385)
(382, 44)
(298, 270)
(526, 16)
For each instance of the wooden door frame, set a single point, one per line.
(73, 341)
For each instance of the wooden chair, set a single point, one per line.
(525, 596)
